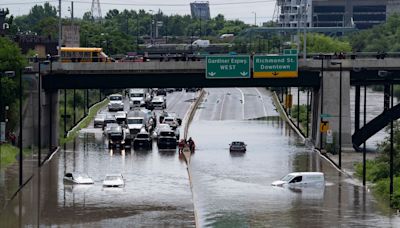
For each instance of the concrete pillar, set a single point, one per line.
(331, 101)
(315, 112)
(50, 120)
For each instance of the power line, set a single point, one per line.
(25, 3)
(179, 5)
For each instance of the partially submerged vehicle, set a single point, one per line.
(114, 181)
(301, 179)
(75, 178)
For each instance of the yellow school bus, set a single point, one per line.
(83, 54)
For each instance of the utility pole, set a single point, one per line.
(72, 11)
(59, 28)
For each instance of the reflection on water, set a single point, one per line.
(236, 191)
(156, 192)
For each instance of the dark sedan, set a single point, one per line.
(237, 146)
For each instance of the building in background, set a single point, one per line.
(3, 25)
(200, 10)
(294, 13)
(361, 14)
(70, 36)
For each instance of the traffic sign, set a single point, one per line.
(325, 115)
(289, 101)
(275, 66)
(237, 66)
(329, 139)
(290, 51)
(2, 131)
(324, 126)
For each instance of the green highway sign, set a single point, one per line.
(275, 66)
(237, 66)
(326, 115)
(290, 51)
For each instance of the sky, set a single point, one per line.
(244, 10)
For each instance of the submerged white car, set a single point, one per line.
(75, 178)
(114, 180)
(301, 179)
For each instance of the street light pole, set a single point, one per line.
(20, 130)
(340, 111)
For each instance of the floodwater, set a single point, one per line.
(234, 189)
(224, 189)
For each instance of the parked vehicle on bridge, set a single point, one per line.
(116, 103)
(114, 181)
(76, 178)
(83, 54)
(237, 146)
(142, 140)
(159, 102)
(99, 120)
(201, 43)
(300, 179)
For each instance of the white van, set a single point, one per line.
(201, 43)
(301, 179)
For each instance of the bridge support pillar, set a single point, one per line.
(330, 105)
(50, 123)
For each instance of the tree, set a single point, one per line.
(11, 59)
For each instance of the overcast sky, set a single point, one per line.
(243, 10)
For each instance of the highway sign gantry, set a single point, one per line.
(275, 66)
(220, 67)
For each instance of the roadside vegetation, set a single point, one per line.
(377, 171)
(84, 123)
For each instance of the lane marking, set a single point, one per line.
(242, 100)
(222, 107)
(262, 100)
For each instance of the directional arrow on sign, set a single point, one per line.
(243, 73)
(212, 74)
(275, 73)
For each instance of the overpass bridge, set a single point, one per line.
(319, 74)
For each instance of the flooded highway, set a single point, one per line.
(234, 189)
(156, 193)
(224, 189)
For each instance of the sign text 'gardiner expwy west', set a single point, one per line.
(228, 67)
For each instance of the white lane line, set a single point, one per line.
(262, 100)
(222, 107)
(242, 101)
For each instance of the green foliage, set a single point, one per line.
(384, 37)
(377, 170)
(8, 154)
(11, 59)
(321, 43)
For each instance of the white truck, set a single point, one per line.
(201, 43)
(137, 97)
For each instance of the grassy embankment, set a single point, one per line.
(84, 123)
